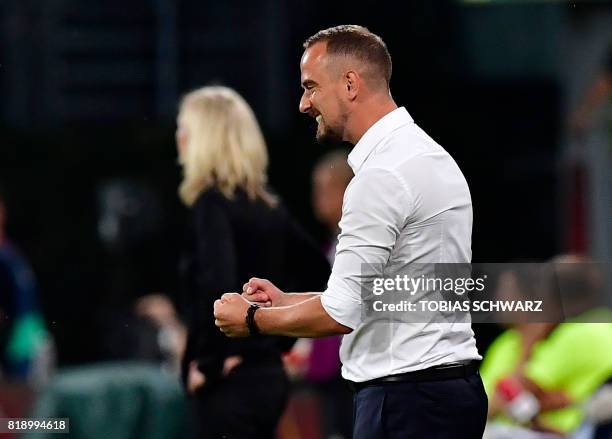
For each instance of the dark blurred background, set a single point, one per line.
(89, 99)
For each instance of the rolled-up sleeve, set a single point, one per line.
(375, 209)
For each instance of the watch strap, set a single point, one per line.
(250, 319)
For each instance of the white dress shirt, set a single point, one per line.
(407, 204)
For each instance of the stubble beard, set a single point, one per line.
(328, 135)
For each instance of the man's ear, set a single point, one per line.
(352, 83)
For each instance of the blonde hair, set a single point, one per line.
(225, 147)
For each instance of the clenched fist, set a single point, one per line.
(262, 292)
(230, 315)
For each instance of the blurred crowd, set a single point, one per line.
(173, 374)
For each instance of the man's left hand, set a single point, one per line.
(230, 315)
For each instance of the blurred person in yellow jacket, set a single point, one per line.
(561, 364)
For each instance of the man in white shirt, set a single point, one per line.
(407, 208)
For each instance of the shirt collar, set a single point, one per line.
(372, 137)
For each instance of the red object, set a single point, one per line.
(509, 388)
(521, 405)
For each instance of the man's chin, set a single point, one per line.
(328, 138)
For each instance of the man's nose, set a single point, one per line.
(304, 104)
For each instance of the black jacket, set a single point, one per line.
(234, 240)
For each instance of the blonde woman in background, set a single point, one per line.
(239, 230)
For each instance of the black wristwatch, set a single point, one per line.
(250, 319)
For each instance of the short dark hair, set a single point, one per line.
(358, 42)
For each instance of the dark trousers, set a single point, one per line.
(245, 405)
(335, 407)
(445, 409)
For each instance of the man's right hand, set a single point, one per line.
(263, 292)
